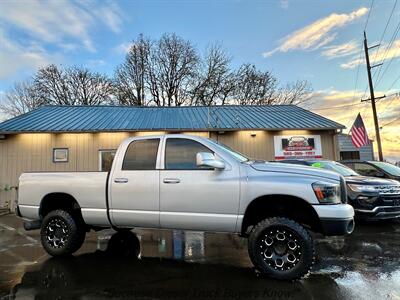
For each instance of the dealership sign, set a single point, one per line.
(297, 146)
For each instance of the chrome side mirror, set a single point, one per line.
(206, 159)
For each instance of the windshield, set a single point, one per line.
(334, 166)
(389, 168)
(236, 154)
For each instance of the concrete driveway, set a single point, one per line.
(169, 264)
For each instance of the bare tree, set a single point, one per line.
(130, 76)
(20, 99)
(88, 88)
(294, 93)
(254, 87)
(72, 86)
(213, 81)
(172, 66)
(52, 87)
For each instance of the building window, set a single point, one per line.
(349, 155)
(141, 155)
(106, 158)
(60, 155)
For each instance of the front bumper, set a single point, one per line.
(337, 226)
(336, 219)
(379, 213)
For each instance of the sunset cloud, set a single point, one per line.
(343, 107)
(317, 34)
(341, 50)
(383, 53)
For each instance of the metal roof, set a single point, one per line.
(133, 118)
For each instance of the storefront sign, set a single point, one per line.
(297, 146)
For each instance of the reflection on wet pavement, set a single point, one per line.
(184, 265)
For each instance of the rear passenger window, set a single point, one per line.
(180, 154)
(141, 155)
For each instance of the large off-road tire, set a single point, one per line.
(61, 234)
(281, 248)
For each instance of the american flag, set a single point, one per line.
(359, 135)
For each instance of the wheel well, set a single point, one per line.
(290, 207)
(62, 201)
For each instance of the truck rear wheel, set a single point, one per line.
(61, 234)
(281, 248)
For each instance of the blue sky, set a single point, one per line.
(315, 40)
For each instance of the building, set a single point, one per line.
(84, 138)
(348, 151)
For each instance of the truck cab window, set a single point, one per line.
(141, 155)
(180, 154)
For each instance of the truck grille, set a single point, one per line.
(388, 189)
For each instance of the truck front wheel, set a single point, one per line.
(281, 248)
(61, 234)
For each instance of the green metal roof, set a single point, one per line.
(197, 118)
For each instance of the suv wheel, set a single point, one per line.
(61, 234)
(281, 248)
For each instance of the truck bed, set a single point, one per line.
(88, 188)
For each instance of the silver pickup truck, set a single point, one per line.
(192, 183)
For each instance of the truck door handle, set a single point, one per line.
(171, 180)
(121, 180)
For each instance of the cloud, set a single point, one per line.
(317, 34)
(341, 50)
(53, 21)
(340, 106)
(123, 48)
(377, 57)
(284, 4)
(15, 56)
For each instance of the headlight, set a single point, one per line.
(327, 193)
(362, 188)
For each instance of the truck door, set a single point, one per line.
(196, 198)
(134, 184)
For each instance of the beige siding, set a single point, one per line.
(34, 152)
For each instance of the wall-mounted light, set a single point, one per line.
(221, 132)
(2, 136)
(253, 133)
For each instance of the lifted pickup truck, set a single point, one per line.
(192, 183)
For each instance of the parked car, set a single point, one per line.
(192, 183)
(371, 198)
(374, 168)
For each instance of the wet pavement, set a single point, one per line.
(167, 264)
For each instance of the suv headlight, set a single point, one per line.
(327, 193)
(362, 188)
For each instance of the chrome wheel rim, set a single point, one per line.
(57, 233)
(280, 248)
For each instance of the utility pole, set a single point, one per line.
(372, 96)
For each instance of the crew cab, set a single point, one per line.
(186, 182)
(372, 198)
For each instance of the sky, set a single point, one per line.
(320, 41)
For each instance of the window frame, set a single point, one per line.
(184, 138)
(60, 161)
(100, 152)
(121, 167)
(366, 164)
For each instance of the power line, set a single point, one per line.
(369, 13)
(384, 31)
(394, 82)
(380, 76)
(391, 122)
